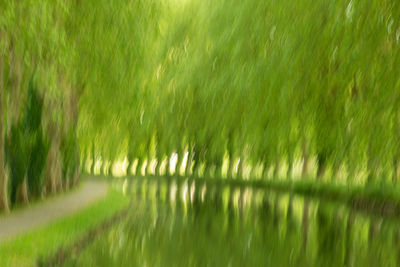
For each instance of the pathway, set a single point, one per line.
(31, 218)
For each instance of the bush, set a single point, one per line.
(37, 143)
(17, 158)
(39, 147)
(69, 153)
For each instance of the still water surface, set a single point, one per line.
(193, 224)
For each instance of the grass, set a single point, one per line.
(26, 249)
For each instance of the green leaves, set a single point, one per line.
(250, 79)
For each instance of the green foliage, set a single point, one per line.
(252, 80)
(27, 147)
(17, 157)
(39, 147)
(34, 108)
(37, 143)
(69, 150)
(264, 81)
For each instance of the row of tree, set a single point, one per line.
(262, 83)
(63, 65)
(40, 87)
(242, 83)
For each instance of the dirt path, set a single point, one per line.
(41, 214)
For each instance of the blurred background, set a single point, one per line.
(232, 133)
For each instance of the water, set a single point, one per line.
(192, 224)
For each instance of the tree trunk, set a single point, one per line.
(372, 165)
(81, 163)
(188, 164)
(75, 180)
(138, 171)
(304, 170)
(158, 167)
(289, 170)
(3, 176)
(320, 171)
(58, 170)
(276, 169)
(22, 192)
(264, 172)
(93, 160)
(218, 170)
(87, 164)
(50, 180)
(102, 165)
(111, 167)
(77, 171)
(129, 167)
(196, 164)
(177, 166)
(4, 205)
(321, 162)
(396, 170)
(230, 168)
(207, 171)
(148, 166)
(167, 170)
(196, 168)
(290, 165)
(240, 169)
(335, 170)
(181, 165)
(66, 185)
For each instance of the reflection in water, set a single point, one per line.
(190, 223)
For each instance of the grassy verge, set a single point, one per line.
(26, 249)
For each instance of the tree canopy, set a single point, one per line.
(236, 83)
